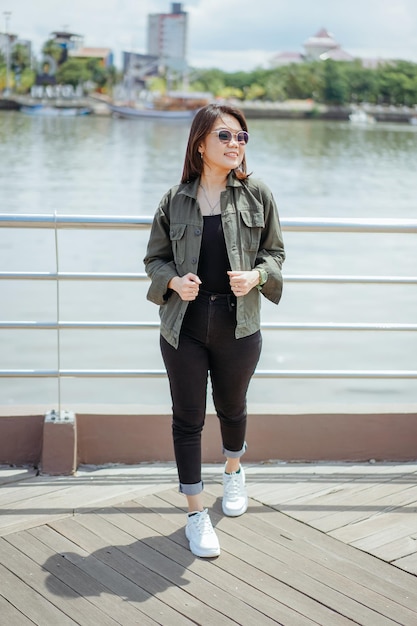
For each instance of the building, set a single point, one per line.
(25, 43)
(66, 41)
(48, 64)
(167, 37)
(287, 58)
(7, 41)
(104, 55)
(322, 46)
(137, 68)
(319, 47)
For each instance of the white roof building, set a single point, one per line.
(322, 46)
(319, 47)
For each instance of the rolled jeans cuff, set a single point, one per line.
(232, 454)
(191, 490)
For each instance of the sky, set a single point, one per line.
(231, 35)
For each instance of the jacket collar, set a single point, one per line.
(191, 189)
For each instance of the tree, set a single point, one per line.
(362, 83)
(274, 87)
(398, 83)
(73, 72)
(3, 84)
(231, 92)
(26, 80)
(254, 92)
(330, 82)
(20, 57)
(52, 49)
(212, 80)
(98, 74)
(335, 85)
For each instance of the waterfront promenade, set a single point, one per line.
(328, 544)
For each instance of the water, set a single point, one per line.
(100, 165)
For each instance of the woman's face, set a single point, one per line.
(223, 155)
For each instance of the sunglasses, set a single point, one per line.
(225, 136)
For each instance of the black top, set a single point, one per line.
(214, 262)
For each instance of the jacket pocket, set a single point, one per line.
(177, 237)
(253, 223)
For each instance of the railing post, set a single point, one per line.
(58, 316)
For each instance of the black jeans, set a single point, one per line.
(208, 344)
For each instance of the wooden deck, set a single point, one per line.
(328, 544)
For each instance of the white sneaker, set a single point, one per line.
(235, 498)
(199, 532)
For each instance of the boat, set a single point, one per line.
(361, 117)
(54, 111)
(170, 106)
(8, 104)
(133, 111)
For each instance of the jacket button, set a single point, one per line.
(194, 260)
(197, 231)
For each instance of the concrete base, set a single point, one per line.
(21, 439)
(308, 437)
(59, 449)
(61, 445)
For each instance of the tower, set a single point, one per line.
(167, 37)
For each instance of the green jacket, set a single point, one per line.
(253, 240)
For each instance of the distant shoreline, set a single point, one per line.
(293, 110)
(303, 111)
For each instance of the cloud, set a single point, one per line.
(232, 61)
(230, 34)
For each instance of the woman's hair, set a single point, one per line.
(201, 126)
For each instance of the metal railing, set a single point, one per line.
(58, 222)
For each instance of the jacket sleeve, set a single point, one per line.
(159, 260)
(271, 253)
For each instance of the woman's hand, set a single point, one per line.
(242, 282)
(186, 286)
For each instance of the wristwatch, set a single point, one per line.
(263, 277)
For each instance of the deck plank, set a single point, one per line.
(271, 560)
(131, 560)
(367, 591)
(201, 589)
(340, 509)
(380, 502)
(373, 507)
(346, 554)
(12, 616)
(124, 581)
(71, 603)
(379, 528)
(390, 536)
(395, 550)
(235, 587)
(369, 575)
(29, 602)
(289, 604)
(15, 474)
(108, 547)
(46, 498)
(408, 563)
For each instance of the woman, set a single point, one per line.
(215, 246)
